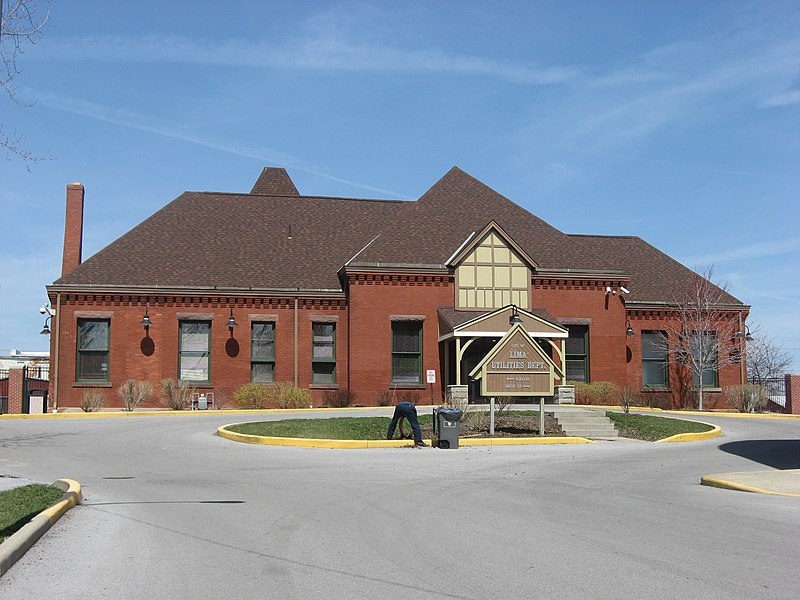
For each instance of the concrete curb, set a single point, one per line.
(716, 431)
(724, 481)
(325, 443)
(18, 544)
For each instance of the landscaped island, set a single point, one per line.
(475, 424)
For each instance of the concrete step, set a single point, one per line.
(582, 422)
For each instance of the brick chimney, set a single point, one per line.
(73, 228)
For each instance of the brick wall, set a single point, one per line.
(73, 228)
(16, 387)
(374, 300)
(363, 336)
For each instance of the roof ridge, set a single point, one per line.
(604, 235)
(292, 197)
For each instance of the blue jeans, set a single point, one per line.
(409, 411)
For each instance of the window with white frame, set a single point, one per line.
(262, 352)
(194, 348)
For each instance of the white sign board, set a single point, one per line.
(431, 373)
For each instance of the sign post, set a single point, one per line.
(517, 366)
(431, 379)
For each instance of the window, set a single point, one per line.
(654, 359)
(406, 352)
(323, 366)
(703, 353)
(577, 351)
(195, 351)
(93, 342)
(262, 352)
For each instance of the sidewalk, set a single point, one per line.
(776, 482)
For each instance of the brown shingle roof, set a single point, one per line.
(239, 241)
(654, 276)
(273, 238)
(274, 181)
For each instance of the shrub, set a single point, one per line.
(629, 397)
(93, 400)
(133, 393)
(277, 395)
(177, 394)
(288, 395)
(385, 398)
(408, 396)
(662, 400)
(602, 393)
(339, 398)
(747, 398)
(252, 396)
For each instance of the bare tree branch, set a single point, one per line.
(699, 335)
(21, 23)
(766, 359)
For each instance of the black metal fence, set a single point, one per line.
(776, 387)
(3, 391)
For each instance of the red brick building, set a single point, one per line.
(222, 289)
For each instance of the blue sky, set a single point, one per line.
(678, 122)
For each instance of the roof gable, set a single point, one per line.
(274, 181)
(477, 240)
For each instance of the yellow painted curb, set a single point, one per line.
(714, 481)
(72, 496)
(20, 542)
(716, 431)
(224, 432)
(522, 441)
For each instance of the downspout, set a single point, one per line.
(742, 350)
(54, 358)
(296, 346)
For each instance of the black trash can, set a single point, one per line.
(446, 427)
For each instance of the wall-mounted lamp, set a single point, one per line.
(628, 329)
(747, 336)
(609, 290)
(231, 321)
(514, 318)
(145, 322)
(46, 309)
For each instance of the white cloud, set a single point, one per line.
(772, 248)
(125, 118)
(322, 51)
(784, 99)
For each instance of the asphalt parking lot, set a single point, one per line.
(173, 511)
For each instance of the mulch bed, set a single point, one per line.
(507, 425)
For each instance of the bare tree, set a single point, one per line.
(700, 334)
(766, 359)
(21, 23)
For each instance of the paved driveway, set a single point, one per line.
(173, 511)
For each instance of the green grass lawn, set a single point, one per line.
(650, 428)
(339, 428)
(19, 505)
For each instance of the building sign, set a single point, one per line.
(516, 366)
(431, 375)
